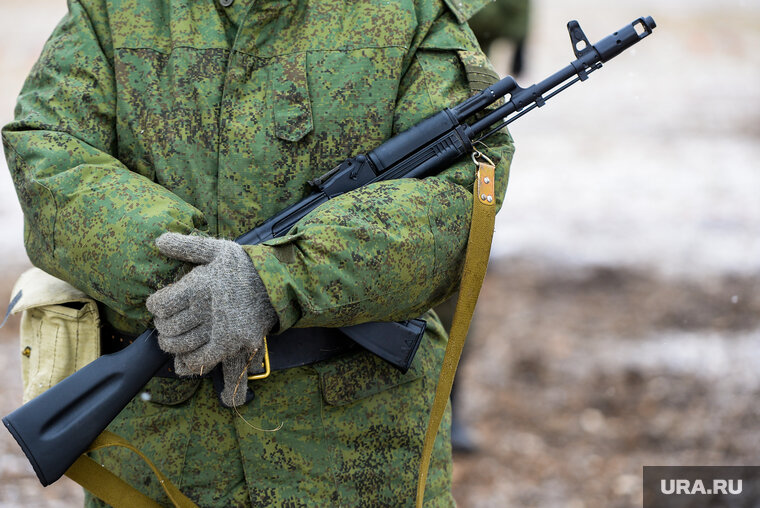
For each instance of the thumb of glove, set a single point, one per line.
(192, 249)
(235, 375)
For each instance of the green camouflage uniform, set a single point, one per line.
(146, 116)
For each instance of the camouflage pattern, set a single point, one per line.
(146, 116)
(340, 440)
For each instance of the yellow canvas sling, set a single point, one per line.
(112, 489)
(475, 264)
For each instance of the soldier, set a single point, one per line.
(507, 19)
(150, 131)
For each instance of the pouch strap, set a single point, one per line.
(112, 489)
(13, 303)
(473, 273)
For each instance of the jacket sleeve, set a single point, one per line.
(88, 219)
(391, 250)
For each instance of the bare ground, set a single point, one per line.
(577, 378)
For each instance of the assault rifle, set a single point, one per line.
(56, 427)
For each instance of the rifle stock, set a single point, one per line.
(56, 427)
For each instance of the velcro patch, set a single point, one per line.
(479, 77)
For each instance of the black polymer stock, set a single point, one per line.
(56, 427)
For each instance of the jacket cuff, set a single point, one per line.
(278, 282)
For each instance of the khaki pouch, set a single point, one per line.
(60, 330)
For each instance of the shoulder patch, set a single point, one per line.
(480, 73)
(479, 77)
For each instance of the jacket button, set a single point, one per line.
(225, 3)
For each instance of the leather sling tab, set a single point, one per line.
(473, 273)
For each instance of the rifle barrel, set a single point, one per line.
(589, 58)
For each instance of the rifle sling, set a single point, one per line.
(112, 489)
(473, 273)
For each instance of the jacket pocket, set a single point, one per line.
(290, 97)
(358, 376)
(60, 330)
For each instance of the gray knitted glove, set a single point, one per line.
(219, 312)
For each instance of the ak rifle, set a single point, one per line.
(56, 427)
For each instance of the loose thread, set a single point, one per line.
(234, 394)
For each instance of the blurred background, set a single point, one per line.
(619, 325)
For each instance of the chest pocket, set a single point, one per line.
(324, 106)
(290, 97)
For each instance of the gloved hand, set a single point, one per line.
(219, 312)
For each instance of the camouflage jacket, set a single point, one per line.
(148, 116)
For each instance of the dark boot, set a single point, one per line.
(462, 441)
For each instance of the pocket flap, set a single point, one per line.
(360, 375)
(39, 288)
(290, 92)
(480, 73)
